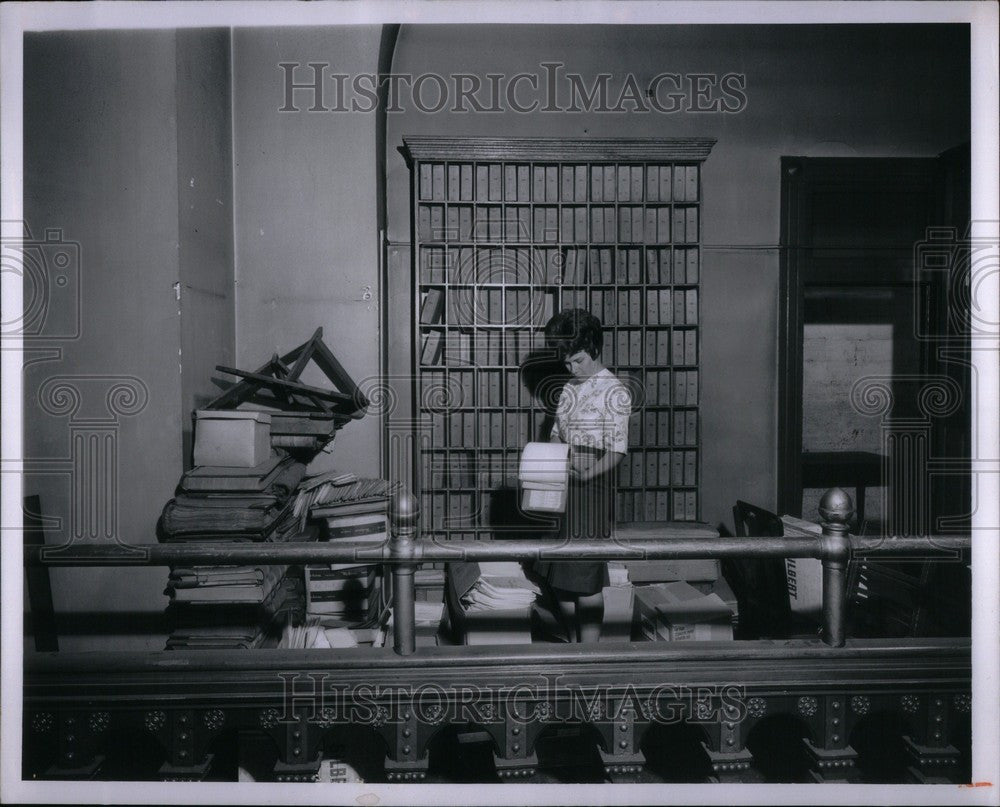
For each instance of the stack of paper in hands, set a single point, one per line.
(544, 477)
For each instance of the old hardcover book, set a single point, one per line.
(432, 306)
(430, 354)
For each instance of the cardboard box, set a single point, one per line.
(678, 612)
(804, 576)
(231, 438)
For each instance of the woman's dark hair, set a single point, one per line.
(573, 330)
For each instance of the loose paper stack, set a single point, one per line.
(490, 603)
(501, 585)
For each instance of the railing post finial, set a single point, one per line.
(836, 509)
(404, 512)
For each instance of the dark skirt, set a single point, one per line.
(589, 516)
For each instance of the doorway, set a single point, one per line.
(855, 315)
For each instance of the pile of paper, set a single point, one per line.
(501, 586)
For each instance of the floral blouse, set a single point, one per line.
(594, 413)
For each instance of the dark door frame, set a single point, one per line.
(800, 178)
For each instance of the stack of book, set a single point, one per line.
(350, 509)
(346, 591)
(232, 606)
(224, 624)
(225, 584)
(230, 503)
(252, 444)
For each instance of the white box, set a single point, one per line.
(231, 438)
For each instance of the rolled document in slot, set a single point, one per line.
(544, 477)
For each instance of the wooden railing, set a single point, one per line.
(404, 551)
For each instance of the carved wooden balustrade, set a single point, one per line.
(188, 700)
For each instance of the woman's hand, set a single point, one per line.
(581, 472)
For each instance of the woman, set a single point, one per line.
(592, 417)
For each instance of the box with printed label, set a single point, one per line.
(678, 612)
